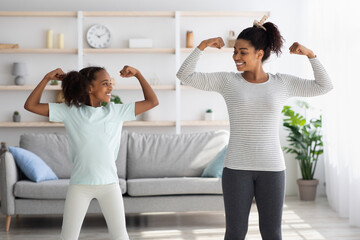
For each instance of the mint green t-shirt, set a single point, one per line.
(94, 139)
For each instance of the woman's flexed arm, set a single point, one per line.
(307, 88)
(33, 104)
(203, 81)
(297, 48)
(217, 42)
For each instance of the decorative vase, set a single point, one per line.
(231, 39)
(19, 70)
(19, 80)
(307, 189)
(189, 39)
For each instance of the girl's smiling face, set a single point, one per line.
(100, 89)
(245, 56)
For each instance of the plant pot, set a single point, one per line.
(16, 118)
(307, 189)
(209, 116)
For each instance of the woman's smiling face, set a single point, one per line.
(245, 56)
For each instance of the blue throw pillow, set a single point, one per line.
(215, 167)
(32, 165)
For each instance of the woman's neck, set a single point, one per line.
(257, 76)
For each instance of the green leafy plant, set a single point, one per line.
(115, 99)
(305, 139)
(54, 82)
(209, 111)
(16, 113)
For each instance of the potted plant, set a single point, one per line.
(115, 99)
(209, 115)
(54, 82)
(16, 117)
(306, 143)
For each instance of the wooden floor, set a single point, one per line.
(301, 220)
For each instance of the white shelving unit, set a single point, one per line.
(81, 51)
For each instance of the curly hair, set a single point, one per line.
(76, 85)
(269, 40)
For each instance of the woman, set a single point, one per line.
(94, 134)
(254, 164)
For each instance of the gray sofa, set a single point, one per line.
(157, 173)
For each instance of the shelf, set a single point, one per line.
(205, 123)
(129, 50)
(30, 124)
(26, 87)
(40, 50)
(224, 14)
(137, 87)
(129, 14)
(126, 124)
(208, 50)
(150, 124)
(58, 87)
(53, 124)
(37, 14)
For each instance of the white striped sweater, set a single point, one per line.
(254, 110)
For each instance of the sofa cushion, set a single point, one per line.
(32, 165)
(121, 158)
(173, 186)
(55, 189)
(161, 155)
(54, 150)
(215, 167)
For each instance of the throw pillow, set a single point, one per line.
(32, 165)
(215, 167)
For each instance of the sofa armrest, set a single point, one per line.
(8, 177)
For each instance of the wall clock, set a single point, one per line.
(98, 36)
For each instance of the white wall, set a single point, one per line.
(290, 16)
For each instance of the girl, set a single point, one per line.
(254, 164)
(94, 135)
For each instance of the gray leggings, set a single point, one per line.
(239, 188)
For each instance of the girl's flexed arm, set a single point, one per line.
(33, 104)
(151, 100)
